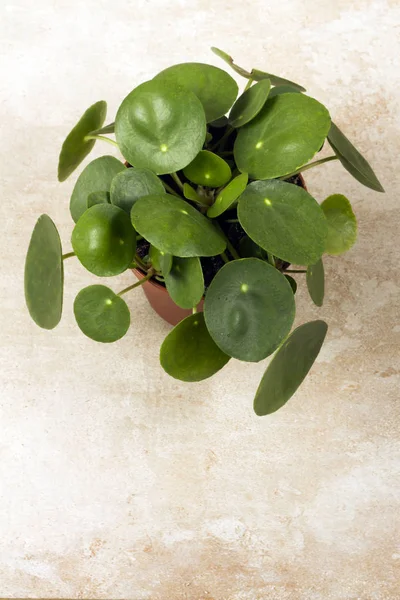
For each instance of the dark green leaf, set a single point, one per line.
(219, 123)
(249, 104)
(106, 129)
(283, 89)
(44, 274)
(75, 148)
(316, 282)
(160, 261)
(228, 196)
(352, 160)
(98, 198)
(101, 315)
(189, 353)
(285, 135)
(293, 283)
(208, 169)
(184, 281)
(285, 220)
(132, 184)
(175, 227)
(249, 249)
(289, 367)
(104, 240)
(228, 59)
(96, 176)
(342, 224)
(249, 309)
(160, 127)
(215, 88)
(275, 80)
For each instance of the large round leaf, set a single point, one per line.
(132, 184)
(185, 282)
(316, 282)
(287, 132)
(215, 88)
(95, 177)
(352, 160)
(249, 309)
(342, 224)
(104, 240)
(175, 227)
(289, 367)
(208, 169)
(228, 196)
(285, 220)
(160, 127)
(75, 147)
(101, 315)
(249, 104)
(189, 353)
(44, 275)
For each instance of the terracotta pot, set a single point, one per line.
(160, 300)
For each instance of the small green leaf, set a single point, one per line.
(160, 127)
(97, 175)
(191, 194)
(132, 184)
(176, 227)
(275, 80)
(208, 169)
(75, 148)
(160, 261)
(285, 220)
(249, 104)
(228, 196)
(215, 88)
(283, 89)
(188, 353)
(352, 160)
(293, 283)
(98, 198)
(228, 59)
(249, 309)
(110, 128)
(101, 315)
(316, 282)
(44, 274)
(342, 224)
(285, 135)
(104, 240)
(184, 281)
(289, 367)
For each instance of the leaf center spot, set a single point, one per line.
(244, 288)
(108, 301)
(121, 242)
(267, 201)
(184, 212)
(207, 175)
(259, 145)
(163, 147)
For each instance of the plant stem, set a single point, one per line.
(231, 220)
(294, 271)
(194, 310)
(226, 153)
(221, 143)
(68, 255)
(232, 250)
(224, 257)
(248, 84)
(138, 283)
(178, 182)
(140, 263)
(271, 259)
(170, 189)
(101, 137)
(310, 166)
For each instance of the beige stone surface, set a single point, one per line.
(119, 482)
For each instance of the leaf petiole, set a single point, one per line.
(309, 166)
(138, 283)
(101, 137)
(68, 255)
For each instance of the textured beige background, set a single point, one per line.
(117, 481)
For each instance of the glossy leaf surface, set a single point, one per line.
(342, 224)
(161, 262)
(228, 196)
(249, 104)
(184, 281)
(208, 169)
(101, 315)
(132, 184)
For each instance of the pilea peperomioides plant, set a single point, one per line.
(209, 203)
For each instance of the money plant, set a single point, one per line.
(207, 200)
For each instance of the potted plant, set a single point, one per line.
(211, 211)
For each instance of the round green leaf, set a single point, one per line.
(215, 88)
(287, 132)
(352, 160)
(316, 282)
(228, 196)
(293, 283)
(342, 224)
(175, 227)
(160, 127)
(44, 274)
(249, 104)
(282, 89)
(185, 282)
(249, 309)
(96, 176)
(189, 353)
(104, 240)
(289, 367)
(98, 198)
(208, 169)
(75, 147)
(285, 220)
(132, 184)
(101, 315)
(160, 261)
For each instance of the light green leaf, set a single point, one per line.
(98, 198)
(160, 127)
(188, 353)
(282, 89)
(101, 315)
(342, 224)
(289, 367)
(44, 274)
(208, 169)
(132, 184)
(249, 104)
(184, 281)
(249, 309)
(285, 220)
(316, 282)
(160, 261)
(228, 196)
(191, 194)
